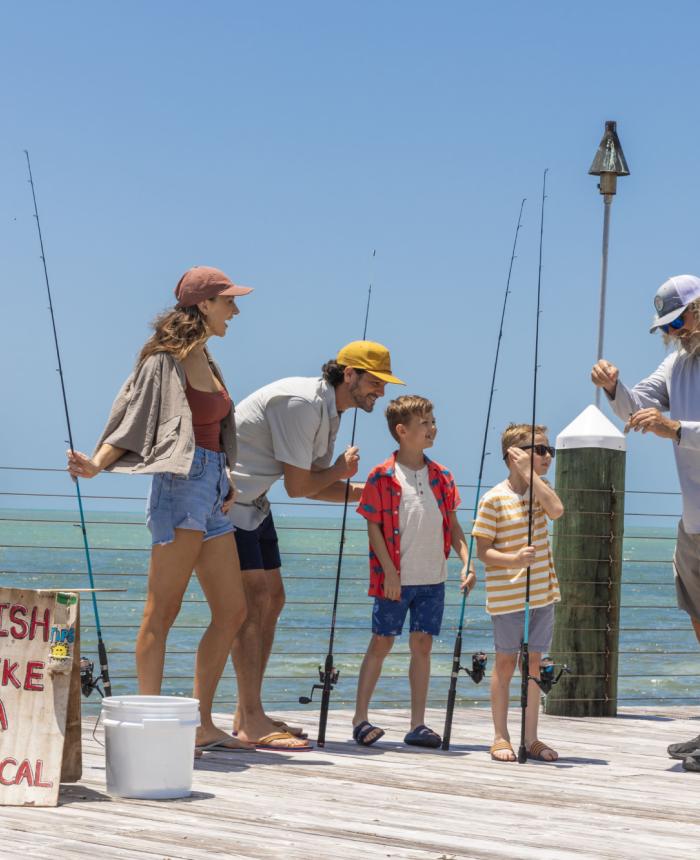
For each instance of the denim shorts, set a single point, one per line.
(193, 502)
(508, 630)
(426, 604)
(259, 549)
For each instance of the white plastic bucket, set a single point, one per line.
(149, 745)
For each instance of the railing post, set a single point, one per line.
(587, 547)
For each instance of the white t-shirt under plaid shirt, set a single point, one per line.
(503, 518)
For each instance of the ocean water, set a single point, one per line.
(659, 659)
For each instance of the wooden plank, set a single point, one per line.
(72, 763)
(617, 796)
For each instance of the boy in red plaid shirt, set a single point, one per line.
(410, 505)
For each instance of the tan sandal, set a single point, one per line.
(537, 748)
(282, 741)
(297, 731)
(498, 747)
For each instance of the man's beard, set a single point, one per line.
(690, 345)
(365, 402)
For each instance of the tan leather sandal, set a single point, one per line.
(502, 745)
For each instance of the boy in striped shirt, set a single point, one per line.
(501, 531)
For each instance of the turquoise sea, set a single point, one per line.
(659, 660)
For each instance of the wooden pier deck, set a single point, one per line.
(612, 794)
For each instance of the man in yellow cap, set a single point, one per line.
(287, 430)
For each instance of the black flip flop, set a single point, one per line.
(684, 749)
(692, 762)
(422, 736)
(361, 732)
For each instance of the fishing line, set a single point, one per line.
(524, 654)
(328, 674)
(87, 681)
(478, 669)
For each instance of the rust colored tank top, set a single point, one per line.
(209, 408)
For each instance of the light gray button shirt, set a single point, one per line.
(294, 421)
(674, 387)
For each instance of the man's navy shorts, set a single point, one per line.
(426, 603)
(258, 549)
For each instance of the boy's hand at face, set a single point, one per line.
(467, 578)
(520, 462)
(392, 585)
(525, 556)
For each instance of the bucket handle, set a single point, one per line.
(154, 722)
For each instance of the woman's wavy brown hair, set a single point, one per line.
(177, 331)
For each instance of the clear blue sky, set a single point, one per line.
(284, 141)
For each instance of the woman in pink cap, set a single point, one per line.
(174, 419)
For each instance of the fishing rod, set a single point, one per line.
(479, 659)
(328, 675)
(87, 680)
(524, 653)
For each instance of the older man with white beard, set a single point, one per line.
(674, 387)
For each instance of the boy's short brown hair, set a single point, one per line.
(516, 435)
(401, 409)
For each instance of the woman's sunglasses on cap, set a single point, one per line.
(541, 450)
(674, 324)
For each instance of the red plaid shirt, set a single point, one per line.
(380, 502)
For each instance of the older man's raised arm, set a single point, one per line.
(650, 393)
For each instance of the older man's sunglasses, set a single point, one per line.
(674, 324)
(540, 449)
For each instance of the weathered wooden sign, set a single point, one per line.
(39, 695)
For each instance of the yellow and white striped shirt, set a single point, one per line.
(502, 517)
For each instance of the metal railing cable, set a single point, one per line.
(59, 470)
(36, 550)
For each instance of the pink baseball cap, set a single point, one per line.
(206, 282)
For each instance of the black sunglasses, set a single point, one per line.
(539, 449)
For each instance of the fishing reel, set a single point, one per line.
(547, 677)
(478, 669)
(333, 680)
(88, 681)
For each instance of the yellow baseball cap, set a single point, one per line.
(370, 356)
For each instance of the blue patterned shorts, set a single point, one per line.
(193, 502)
(426, 603)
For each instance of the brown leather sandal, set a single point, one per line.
(537, 749)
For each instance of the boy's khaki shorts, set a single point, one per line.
(686, 564)
(508, 630)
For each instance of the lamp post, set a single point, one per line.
(608, 164)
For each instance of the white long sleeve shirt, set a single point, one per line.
(674, 387)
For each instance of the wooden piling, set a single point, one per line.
(587, 548)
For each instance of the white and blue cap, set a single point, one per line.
(673, 297)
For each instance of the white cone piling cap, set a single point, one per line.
(591, 429)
